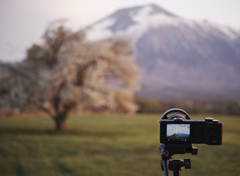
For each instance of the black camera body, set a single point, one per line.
(178, 132)
(177, 128)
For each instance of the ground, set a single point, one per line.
(96, 145)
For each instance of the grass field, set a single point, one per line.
(98, 145)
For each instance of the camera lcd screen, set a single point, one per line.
(178, 132)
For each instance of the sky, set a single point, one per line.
(23, 22)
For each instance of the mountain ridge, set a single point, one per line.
(180, 58)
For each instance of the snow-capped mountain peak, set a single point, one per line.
(178, 57)
(131, 22)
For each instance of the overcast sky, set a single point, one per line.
(22, 22)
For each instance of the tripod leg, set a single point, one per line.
(165, 166)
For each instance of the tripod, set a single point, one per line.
(175, 165)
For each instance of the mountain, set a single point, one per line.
(180, 59)
(179, 135)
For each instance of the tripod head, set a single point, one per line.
(175, 165)
(168, 150)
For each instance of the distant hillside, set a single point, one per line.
(180, 59)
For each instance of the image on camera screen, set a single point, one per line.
(178, 132)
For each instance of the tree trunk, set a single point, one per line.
(60, 122)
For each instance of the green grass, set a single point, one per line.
(98, 145)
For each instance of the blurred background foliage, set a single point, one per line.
(66, 71)
(196, 107)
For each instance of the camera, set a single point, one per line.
(177, 128)
(178, 132)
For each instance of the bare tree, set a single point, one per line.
(67, 70)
